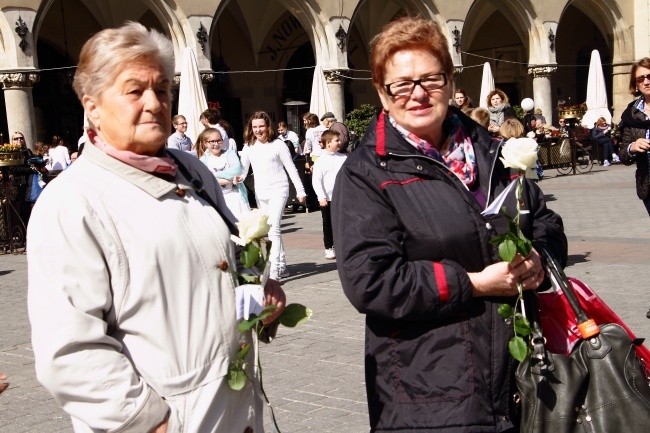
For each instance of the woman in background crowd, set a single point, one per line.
(601, 134)
(270, 157)
(461, 101)
(59, 154)
(312, 147)
(635, 126)
(499, 109)
(635, 129)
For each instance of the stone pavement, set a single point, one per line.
(314, 374)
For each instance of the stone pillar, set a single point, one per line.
(621, 96)
(20, 104)
(542, 89)
(206, 78)
(335, 87)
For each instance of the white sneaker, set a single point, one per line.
(615, 158)
(330, 254)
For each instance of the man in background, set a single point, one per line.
(178, 140)
(329, 121)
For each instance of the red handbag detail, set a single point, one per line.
(559, 325)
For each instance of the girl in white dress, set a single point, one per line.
(226, 167)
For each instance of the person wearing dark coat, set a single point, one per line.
(414, 252)
(635, 131)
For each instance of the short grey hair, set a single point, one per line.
(104, 56)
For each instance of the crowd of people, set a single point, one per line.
(145, 219)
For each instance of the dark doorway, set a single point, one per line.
(57, 109)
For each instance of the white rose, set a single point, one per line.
(519, 153)
(252, 226)
(531, 134)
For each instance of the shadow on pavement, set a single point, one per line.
(573, 259)
(549, 197)
(298, 271)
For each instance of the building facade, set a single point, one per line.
(260, 54)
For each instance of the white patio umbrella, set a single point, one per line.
(191, 97)
(596, 93)
(321, 101)
(487, 84)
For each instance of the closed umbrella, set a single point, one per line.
(191, 97)
(321, 101)
(596, 93)
(487, 85)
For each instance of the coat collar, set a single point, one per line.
(152, 185)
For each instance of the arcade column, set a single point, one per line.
(335, 86)
(20, 104)
(542, 89)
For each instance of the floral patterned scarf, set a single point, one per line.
(457, 152)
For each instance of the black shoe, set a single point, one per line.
(648, 314)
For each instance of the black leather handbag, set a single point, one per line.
(599, 388)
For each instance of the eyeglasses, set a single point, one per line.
(641, 78)
(214, 141)
(406, 87)
(182, 124)
(18, 138)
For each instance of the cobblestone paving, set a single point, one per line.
(314, 374)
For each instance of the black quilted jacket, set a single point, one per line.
(629, 135)
(406, 233)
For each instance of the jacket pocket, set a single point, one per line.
(435, 366)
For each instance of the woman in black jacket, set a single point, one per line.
(413, 249)
(635, 129)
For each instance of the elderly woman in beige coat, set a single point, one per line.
(131, 294)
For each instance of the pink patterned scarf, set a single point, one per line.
(457, 152)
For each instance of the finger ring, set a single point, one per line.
(532, 273)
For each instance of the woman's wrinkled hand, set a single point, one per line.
(500, 279)
(274, 295)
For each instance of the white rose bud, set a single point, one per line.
(519, 153)
(252, 226)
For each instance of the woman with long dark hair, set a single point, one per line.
(270, 157)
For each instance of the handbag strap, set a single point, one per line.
(586, 325)
(541, 360)
(197, 184)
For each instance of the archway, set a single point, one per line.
(63, 29)
(574, 47)
(256, 46)
(494, 35)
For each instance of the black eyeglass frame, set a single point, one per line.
(417, 83)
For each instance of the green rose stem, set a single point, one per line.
(512, 243)
(253, 257)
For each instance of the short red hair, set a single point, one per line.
(404, 34)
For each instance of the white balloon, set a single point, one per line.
(527, 104)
